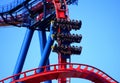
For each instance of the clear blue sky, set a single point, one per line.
(101, 39)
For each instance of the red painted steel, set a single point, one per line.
(72, 70)
(61, 9)
(61, 13)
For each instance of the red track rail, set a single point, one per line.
(72, 70)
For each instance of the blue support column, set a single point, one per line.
(47, 49)
(23, 52)
(42, 38)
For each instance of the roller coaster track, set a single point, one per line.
(19, 11)
(72, 70)
(29, 13)
(20, 14)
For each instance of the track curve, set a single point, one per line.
(72, 70)
(22, 12)
(13, 14)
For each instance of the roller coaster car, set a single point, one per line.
(67, 49)
(64, 24)
(70, 38)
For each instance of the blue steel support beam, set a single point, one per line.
(23, 52)
(42, 34)
(47, 49)
(42, 38)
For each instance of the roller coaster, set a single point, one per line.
(49, 16)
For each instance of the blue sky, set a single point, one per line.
(100, 30)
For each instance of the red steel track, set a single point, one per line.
(72, 70)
